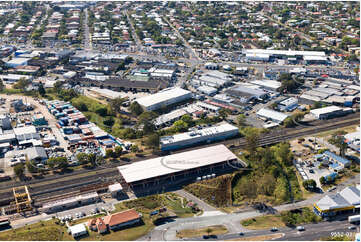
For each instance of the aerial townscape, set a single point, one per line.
(179, 120)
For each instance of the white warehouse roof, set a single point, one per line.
(271, 114)
(162, 96)
(160, 166)
(225, 127)
(267, 83)
(330, 109)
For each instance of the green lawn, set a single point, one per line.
(42, 231)
(287, 218)
(263, 222)
(191, 233)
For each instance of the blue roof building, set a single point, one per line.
(333, 176)
(338, 159)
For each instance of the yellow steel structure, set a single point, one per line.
(22, 199)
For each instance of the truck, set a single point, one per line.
(354, 219)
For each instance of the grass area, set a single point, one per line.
(11, 91)
(42, 231)
(217, 191)
(263, 222)
(191, 233)
(289, 218)
(259, 238)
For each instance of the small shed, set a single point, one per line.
(77, 230)
(115, 189)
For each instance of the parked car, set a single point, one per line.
(300, 228)
(241, 233)
(352, 227)
(311, 171)
(274, 229)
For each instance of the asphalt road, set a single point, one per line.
(87, 44)
(311, 232)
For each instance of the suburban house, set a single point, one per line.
(117, 220)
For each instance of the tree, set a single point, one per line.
(19, 170)
(31, 167)
(284, 154)
(323, 180)
(109, 153)
(339, 141)
(2, 86)
(252, 138)
(58, 163)
(180, 126)
(209, 230)
(80, 105)
(118, 151)
(115, 104)
(41, 89)
(134, 148)
(187, 119)
(109, 121)
(241, 120)
(22, 84)
(82, 158)
(223, 113)
(92, 158)
(57, 86)
(152, 141)
(309, 184)
(102, 111)
(136, 109)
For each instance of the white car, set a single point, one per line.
(300, 228)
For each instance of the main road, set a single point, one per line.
(87, 41)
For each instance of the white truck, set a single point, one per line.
(354, 219)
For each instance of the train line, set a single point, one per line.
(42, 190)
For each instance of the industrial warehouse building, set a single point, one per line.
(272, 115)
(209, 134)
(246, 93)
(164, 98)
(270, 85)
(329, 112)
(70, 202)
(345, 201)
(167, 169)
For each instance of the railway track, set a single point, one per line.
(47, 190)
(267, 140)
(43, 190)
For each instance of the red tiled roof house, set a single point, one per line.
(121, 219)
